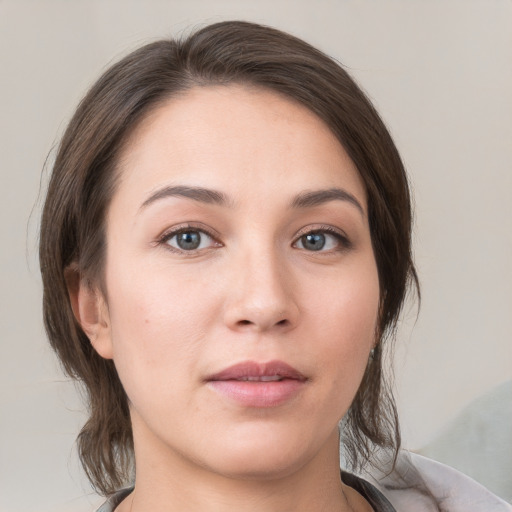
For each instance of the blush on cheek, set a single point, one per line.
(356, 319)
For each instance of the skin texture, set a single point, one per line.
(252, 291)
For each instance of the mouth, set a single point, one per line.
(253, 384)
(270, 378)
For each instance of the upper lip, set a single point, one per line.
(255, 370)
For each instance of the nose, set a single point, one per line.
(261, 295)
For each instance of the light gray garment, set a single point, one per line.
(423, 485)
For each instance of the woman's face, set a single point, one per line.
(241, 285)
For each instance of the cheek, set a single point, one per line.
(346, 314)
(158, 322)
(347, 307)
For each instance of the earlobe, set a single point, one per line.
(90, 310)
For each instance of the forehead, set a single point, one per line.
(232, 137)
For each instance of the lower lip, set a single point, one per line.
(258, 394)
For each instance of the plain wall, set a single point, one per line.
(440, 74)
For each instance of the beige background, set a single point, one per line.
(440, 72)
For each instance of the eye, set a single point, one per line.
(322, 240)
(189, 240)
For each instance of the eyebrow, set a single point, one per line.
(312, 198)
(306, 199)
(203, 195)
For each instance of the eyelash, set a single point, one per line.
(168, 235)
(345, 243)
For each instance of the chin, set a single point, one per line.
(266, 457)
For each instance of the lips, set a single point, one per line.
(252, 371)
(253, 384)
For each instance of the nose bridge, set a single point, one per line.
(262, 293)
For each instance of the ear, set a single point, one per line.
(90, 310)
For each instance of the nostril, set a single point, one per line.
(283, 322)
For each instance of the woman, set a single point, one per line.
(225, 250)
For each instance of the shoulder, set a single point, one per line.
(424, 485)
(114, 500)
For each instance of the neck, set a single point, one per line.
(166, 481)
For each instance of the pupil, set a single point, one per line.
(313, 241)
(189, 240)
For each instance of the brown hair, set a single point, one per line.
(83, 182)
